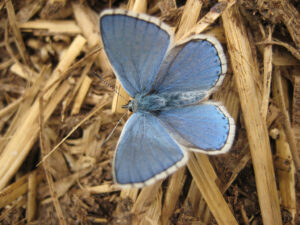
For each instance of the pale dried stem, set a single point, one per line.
(245, 71)
(13, 23)
(267, 77)
(202, 173)
(44, 150)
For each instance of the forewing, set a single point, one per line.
(145, 152)
(135, 45)
(197, 64)
(206, 128)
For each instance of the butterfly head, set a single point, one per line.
(132, 105)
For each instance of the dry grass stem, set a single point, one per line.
(267, 77)
(51, 27)
(279, 98)
(205, 180)
(16, 31)
(32, 196)
(44, 149)
(243, 66)
(189, 17)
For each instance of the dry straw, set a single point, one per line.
(62, 112)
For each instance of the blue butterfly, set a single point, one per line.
(169, 84)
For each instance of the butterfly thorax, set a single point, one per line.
(164, 101)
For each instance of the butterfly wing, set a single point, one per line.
(196, 64)
(145, 152)
(136, 45)
(205, 128)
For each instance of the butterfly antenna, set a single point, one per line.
(110, 86)
(113, 130)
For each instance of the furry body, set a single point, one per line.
(164, 101)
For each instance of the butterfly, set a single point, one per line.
(169, 84)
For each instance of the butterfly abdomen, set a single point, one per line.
(167, 101)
